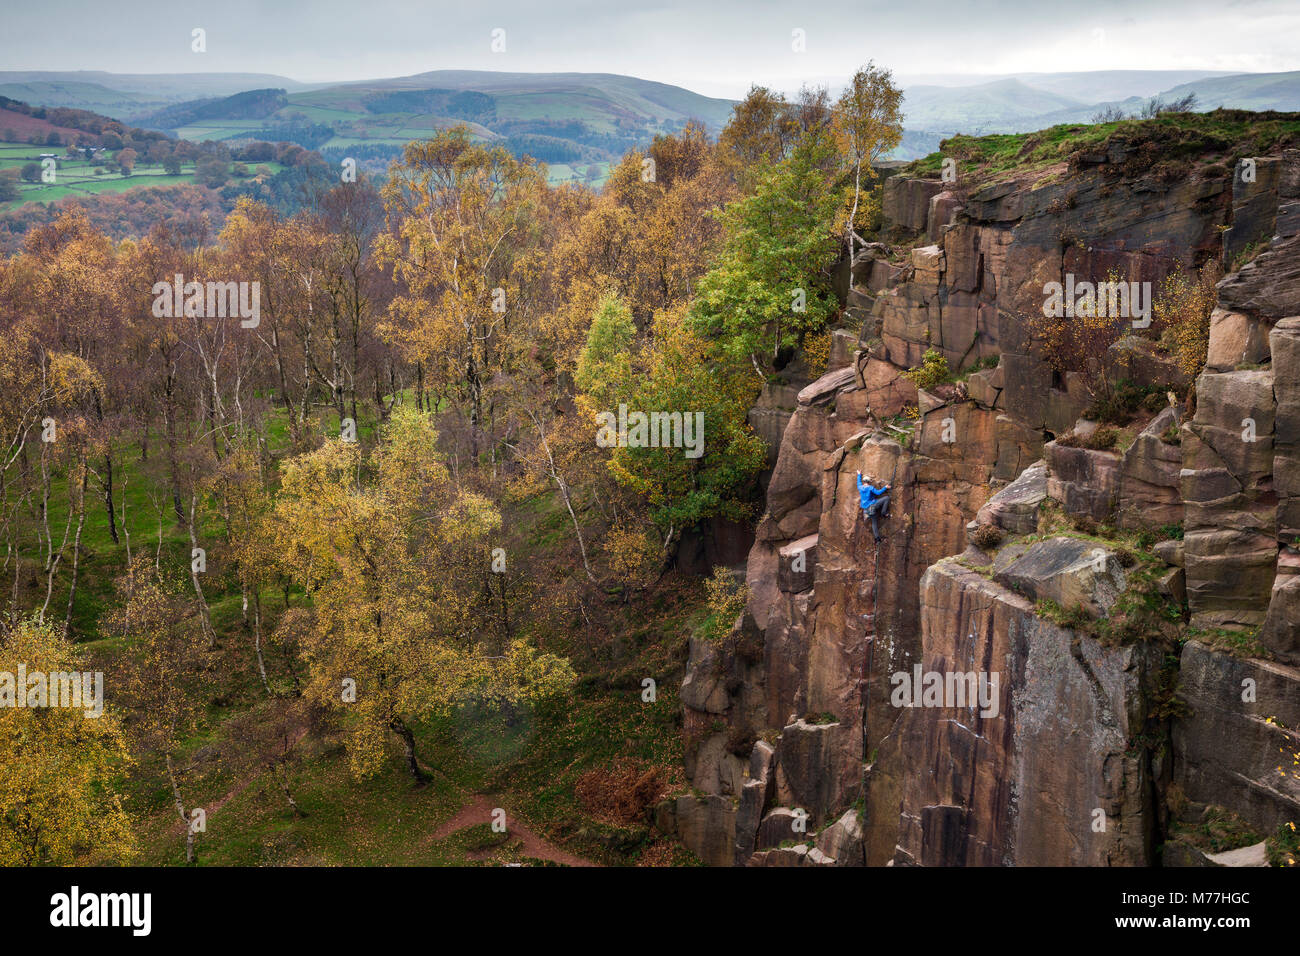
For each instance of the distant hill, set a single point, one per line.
(572, 119)
(151, 88)
(76, 95)
(585, 119)
(1033, 101)
(1086, 85)
(252, 104)
(988, 107)
(1091, 86)
(1245, 91)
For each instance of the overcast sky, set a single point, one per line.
(718, 47)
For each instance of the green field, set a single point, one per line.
(76, 177)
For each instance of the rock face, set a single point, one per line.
(795, 719)
(1026, 783)
(1241, 475)
(1242, 713)
(907, 202)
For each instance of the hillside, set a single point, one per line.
(251, 104)
(987, 107)
(129, 95)
(587, 119)
(1246, 91)
(17, 124)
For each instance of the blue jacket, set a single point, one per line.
(869, 493)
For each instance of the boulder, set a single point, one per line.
(943, 211)
(1170, 552)
(755, 794)
(1149, 488)
(1084, 481)
(1281, 630)
(1019, 446)
(980, 387)
(843, 344)
(1235, 339)
(1173, 585)
(798, 559)
(1014, 509)
(805, 754)
(1069, 571)
(1268, 286)
(825, 388)
(779, 826)
(1254, 855)
(842, 840)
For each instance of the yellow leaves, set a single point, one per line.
(396, 569)
(58, 768)
(867, 118)
(316, 514)
(817, 351)
(525, 675)
(409, 462)
(632, 553)
(166, 677)
(468, 519)
(725, 598)
(1181, 311)
(71, 377)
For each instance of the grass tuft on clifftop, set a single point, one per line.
(1172, 145)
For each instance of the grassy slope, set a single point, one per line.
(530, 764)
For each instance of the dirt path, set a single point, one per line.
(479, 810)
(236, 790)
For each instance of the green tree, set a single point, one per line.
(604, 367)
(710, 475)
(771, 283)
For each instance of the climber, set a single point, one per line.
(875, 504)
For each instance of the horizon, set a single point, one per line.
(719, 51)
(948, 80)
